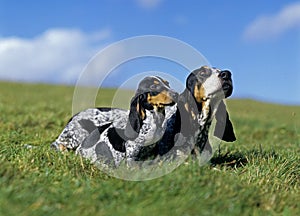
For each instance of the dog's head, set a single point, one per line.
(207, 87)
(153, 93)
(209, 83)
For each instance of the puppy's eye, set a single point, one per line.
(154, 87)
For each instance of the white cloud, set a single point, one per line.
(149, 4)
(271, 26)
(57, 55)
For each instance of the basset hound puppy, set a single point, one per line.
(112, 135)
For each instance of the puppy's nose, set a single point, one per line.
(225, 74)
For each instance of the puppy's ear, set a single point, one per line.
(224, 128)
(135, 118)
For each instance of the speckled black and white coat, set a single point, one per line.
(112, 135)
(81, 125)
(111, 146)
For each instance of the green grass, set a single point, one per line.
(257, 175)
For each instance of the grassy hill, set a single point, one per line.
(259, 174)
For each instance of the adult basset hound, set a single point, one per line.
(201, 101)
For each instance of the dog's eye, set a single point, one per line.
(204, 74)
(154, 87)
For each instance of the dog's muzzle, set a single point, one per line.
(218, 84)
(226, 81)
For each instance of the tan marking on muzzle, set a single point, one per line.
(199, 93)
(162, 98)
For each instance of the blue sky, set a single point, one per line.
(259, 41)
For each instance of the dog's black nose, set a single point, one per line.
(225, 74)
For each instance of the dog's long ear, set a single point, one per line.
(190, 81)
(224, 128)
(135, 118)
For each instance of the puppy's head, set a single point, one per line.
(208, 87)
(153, 93)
